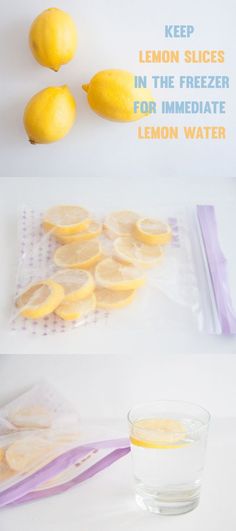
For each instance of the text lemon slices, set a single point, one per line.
(115, 276)
(120, 223)
(78, 255)
(134, 252)
(40, 299)
(93, 231)
(77, 283)
(158, 433)
(66, 219)
(70, 311)
(109, 300)
(152, 231)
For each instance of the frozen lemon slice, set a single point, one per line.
(110, 300)
(153, 231)
(78, 255)
(31, 417)
(77, 283)
(66, 219)
(117, 277)
(121, 223)
(93, 231)
(70, 311)
(134, 252)
(40, 299)
(158, 433)
(24, 453)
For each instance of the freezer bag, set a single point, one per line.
(160, 269)
(43, 449)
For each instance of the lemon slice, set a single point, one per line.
(111, 300)
(22, 454)
(66, 219)
(115, 276)
(158, 433)
(153, 231)
(40, 299)
(70, 311)
(121, 223)
(134, 252)
(78, 255)
(31, 417)
(77, 283)
(93, 231)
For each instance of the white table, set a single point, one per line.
(111, 33)
(107, 500)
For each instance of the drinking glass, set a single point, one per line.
(168, 446)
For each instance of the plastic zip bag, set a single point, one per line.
(43, 415)
(180, 292)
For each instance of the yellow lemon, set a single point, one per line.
(111, 94)
(66, 219)
(153, 231)
(77, 283)
(40, 299)
(53, 38)
(25, 453)
(120, 223)
(158, 433)
(49, 115)
(113, 275)
(112, 300)
(69, 311)
(31, 417)
(2, 454)
(93, 231)
(78, 255)
(134, 252)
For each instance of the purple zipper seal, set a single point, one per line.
(217, 264)
(22, 492)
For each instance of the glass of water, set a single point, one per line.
(168, 444)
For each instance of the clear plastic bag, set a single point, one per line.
(179, 291)
(44, 450)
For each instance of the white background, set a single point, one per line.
(111, 33)
(103, 389)
(104, 195)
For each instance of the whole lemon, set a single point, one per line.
(49, 115)
(53, 38)
(111, 94)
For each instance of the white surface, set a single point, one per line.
(104, 389)
(111, 32)
(105, 195)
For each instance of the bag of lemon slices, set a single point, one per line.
(44, 449)
(154, 269)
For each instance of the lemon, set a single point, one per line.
(78, 255)
(153, 231)
(77, 283)
(66, 219)
(70, 311)
(113, 275)
(24, 453)
(31, 417)
(53, 38)
(49, 115)
(111, 300)
(120, 223)
(93, 231)
(111, 94)
(137, 253)
(40, 299)
(158, 433)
